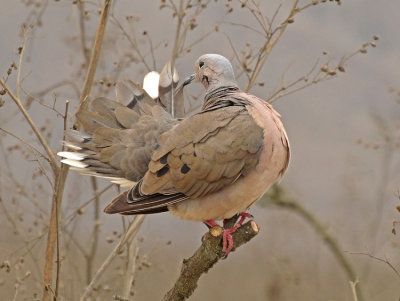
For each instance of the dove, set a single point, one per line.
(209, 166)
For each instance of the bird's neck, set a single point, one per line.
(219, 97)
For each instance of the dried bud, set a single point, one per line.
(192, 25)
(341, 69)
(332, 72)
(3, 91)
(376, 37)
(363, 50)
(290, 20)
(324, 68)
(373, 44)
(6, 266)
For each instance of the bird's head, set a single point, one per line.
(213, 71)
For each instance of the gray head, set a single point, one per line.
(213, 71)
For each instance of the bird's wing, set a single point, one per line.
(199, 156)
(204, 153)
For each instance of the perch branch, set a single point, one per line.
(208, 254)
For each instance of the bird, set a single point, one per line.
(206, 167)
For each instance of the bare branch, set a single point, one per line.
(386, 261)
(276, 196)
(131, 232)
(269, 44)
(208, 254)
(95, 54)
(52, 159)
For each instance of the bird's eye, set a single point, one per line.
(201, 64)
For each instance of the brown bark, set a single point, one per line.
(208, 254)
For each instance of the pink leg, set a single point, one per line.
(227, 240)
(243, 216)
(211, 223)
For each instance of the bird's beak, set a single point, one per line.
(189, 80)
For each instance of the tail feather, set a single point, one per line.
(120, 138)
(150, 204)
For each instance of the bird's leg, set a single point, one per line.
(227, 240)
(210, 223)
(242, 215)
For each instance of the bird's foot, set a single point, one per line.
(227, 240)
(242, 215)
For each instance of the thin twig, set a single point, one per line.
(131, 258)
(95, 234)
(133, 42)
(71, 217)
(379, 259)
(175, 50)
(269, 44)
(276, 196)
(95, 55)
(353, 285)
(21, 56)
(132, 230)
(85, 50)
(52, 158)
(26, 143)
(53, 233)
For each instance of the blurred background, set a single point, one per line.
(344, 132)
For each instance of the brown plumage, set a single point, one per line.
(211, 165)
